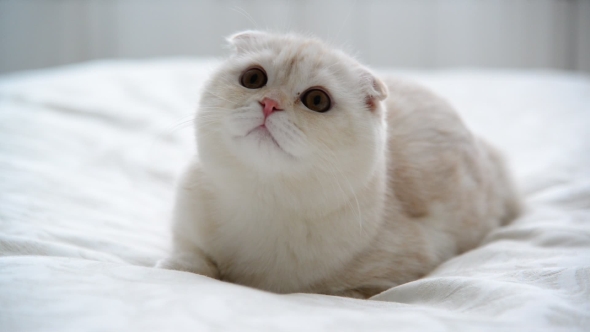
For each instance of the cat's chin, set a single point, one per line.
(260, 148)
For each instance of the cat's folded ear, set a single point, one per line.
(245, 40)
(375, 89)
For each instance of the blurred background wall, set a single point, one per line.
(402, 33)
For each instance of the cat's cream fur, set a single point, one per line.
(371, 194)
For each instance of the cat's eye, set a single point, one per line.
(253, 78)
(316, 100)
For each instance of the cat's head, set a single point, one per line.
(290, 104)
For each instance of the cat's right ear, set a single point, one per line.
(375, 89)
(245, 40)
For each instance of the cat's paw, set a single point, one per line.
(189, 263)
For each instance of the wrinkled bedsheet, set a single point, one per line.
(88, 160)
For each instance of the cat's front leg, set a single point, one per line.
(188, 227)
(190, 260)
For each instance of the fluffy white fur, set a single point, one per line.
(373, 193)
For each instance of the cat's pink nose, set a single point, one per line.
(269, 106)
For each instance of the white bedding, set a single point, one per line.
(89, 154)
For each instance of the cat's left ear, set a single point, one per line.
(375, 89)
(245, 40)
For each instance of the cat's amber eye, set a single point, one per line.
(316, 100)
(253, 78)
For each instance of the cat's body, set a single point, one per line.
(349, 201)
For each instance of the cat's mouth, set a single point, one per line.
(263, 135)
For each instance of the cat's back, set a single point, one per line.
(441, 174)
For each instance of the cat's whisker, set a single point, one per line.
(205, 125)
(207, 118)
(212, 107)
(336, 182)
(179, 127)
(333, 182)
(352, 191)
(331, 167)
(247, 113)
(217, 96)
(245, 13)
(201, 118)
(183, 122)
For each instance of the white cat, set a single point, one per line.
(310, 179)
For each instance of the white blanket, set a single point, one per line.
(88, 158)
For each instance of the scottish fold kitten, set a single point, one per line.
(313, 175)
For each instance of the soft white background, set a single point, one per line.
(400, 33)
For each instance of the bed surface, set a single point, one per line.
(88, 159)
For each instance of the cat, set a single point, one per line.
(313, 175)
